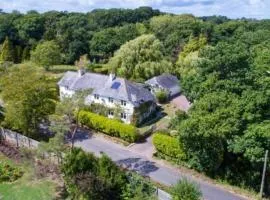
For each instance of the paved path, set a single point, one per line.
(147, 167)
(146, 148)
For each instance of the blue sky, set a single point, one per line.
(231, 8)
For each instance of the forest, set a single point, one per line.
(223, 65)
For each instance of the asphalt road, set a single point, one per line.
(147, 167)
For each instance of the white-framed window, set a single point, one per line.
(123, 115)
(111, 113)
(123, 103)
(96, 96)
(110, 100)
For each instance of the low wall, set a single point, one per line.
(18, 139)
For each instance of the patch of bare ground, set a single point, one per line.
(10, 151)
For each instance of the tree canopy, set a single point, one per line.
(140, 58)
(28, 97)
(46, 54)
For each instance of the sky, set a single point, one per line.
(231, 8)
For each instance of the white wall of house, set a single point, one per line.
(126, 107)
(65, 92)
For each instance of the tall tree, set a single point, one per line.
(26, 53)
(7, 53)
(46, 54)
(29, 98)
(140, 58)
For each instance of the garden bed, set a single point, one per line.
(33, 179)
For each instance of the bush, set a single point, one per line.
(109, 126)
(162, 96)
(184, 190)
(168, 146)
(9, 173)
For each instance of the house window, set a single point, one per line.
(96, 96)
(110, 100)
(111, 113)
(123, 115)
(123, 103)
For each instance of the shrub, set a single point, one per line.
(184, 190)
(168, 146)
(109, 126)
(162, 96)
(9, 173)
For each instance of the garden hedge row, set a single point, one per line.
(108, 126)
(168, 146)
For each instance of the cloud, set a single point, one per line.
(230, 8)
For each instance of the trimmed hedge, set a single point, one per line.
(168, 146)
(108, 126)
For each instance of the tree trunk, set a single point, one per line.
(72, 136)
(75, 130)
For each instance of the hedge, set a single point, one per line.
(168, 146)
(109, 126)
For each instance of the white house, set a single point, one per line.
(111, 91)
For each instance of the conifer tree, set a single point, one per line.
(7, 53)
(26, 53)
(18, 54)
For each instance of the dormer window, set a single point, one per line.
(96, 96)
(110, 100)
(123, 103)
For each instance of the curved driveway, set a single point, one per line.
(147, 167)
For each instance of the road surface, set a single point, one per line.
(147, 167)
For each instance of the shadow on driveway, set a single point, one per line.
(143, 167)
(81, 134)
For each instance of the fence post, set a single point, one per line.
(17, 142)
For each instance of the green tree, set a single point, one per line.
(18, 54)
(253, 144)
(26, 53)
(29, 98)
(7, 52)
(46, 54)
(87, 177)
(212, 120)
(186, 190)
(105, 42)
(30, 27)
(114, 177)
(140, 58)
(60, 126)
(175, 30)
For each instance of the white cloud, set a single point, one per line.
(230, 8)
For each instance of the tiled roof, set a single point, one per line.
(117, 88)
(166, 81)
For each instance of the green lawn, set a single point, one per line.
(27, 187)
